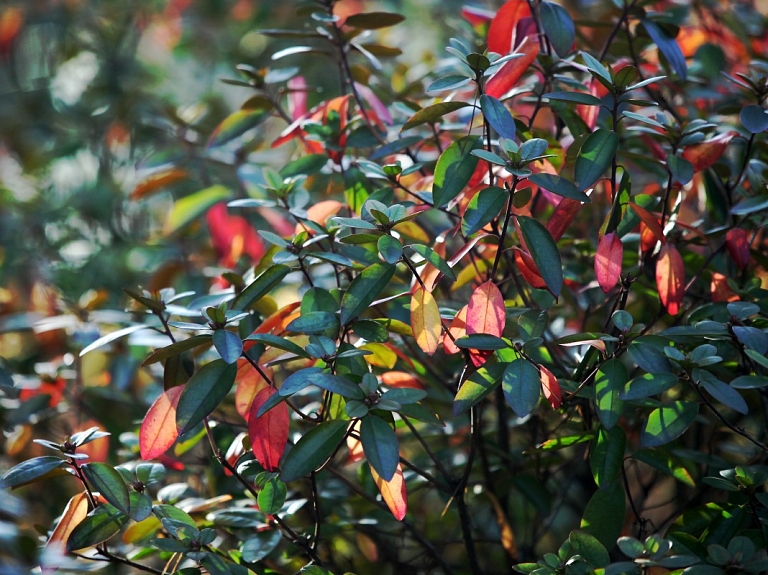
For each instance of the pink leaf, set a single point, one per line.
(486, 313)
(610, 252)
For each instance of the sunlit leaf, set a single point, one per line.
(158, 430)
(595, 156)
(425, 320)
(544, 252)
(670, 278)
(393, 492)
(608, 259)
(364, 289)
(454, 169)
(191, 207)
(668, 422)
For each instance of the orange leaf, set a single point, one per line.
(393, 492)
(670, 278)
(706, 153)
(485, 312)
(737, 242)
(528, 269)
(720, 289)
(74, 513)
(425, 320)
(157, 182)
(501, 32)
(249, 382)
(276, 322)
(649, 220)
(506, 535)
(550, 387)
(510, 72)
(320, 212)
(458, 328)
(610, 252)
(354, 445)
(158, 430)
(400, 379)
(268, 433)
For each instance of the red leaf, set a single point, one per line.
(393, 492)
(268, 433)
(158, 430)
(670, 278)
(528, 269)
(297, 97)
(509, 73)
(485, 312)
(550, 387)
(249, 382)
(610, 252)
(564, 214)
(476, 15)
(458, 328)
(650, 220)
(706, 153)
(737, 242)
(232, 236)
(720, 289)
(502, 29)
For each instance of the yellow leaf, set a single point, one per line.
(393, 492)
(381, 356)
(425, 319)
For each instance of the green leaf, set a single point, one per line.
(682, 169)
(498, 116)
(272, 496)
(298, 380)
(373, 20)
(337, 384)
(558, 26)
(595, 156)
(177, 348)
(668, 422)
(404, 395)
(544, 253)
(203, 392)
(304, 166)
(259, 545)
(592, 550)
(607, 455)
(380, 445)
(574, 98)
(228, 344)
(432, 113)
(448, 83)
(261, 286)
(279, 343)
(559, 186)
(390, 249)
(99, 525)
(648, 385)
(482, 209)
(609, 383)
(30, 470)
(314, 322)
(482, 341)
(522, 386)
(454, 169)
(752, 338)
(173, 518)
(665, 462)
(364, 289)
(754, 118)
(190, 207)
(605, 513)
(479, 385)
(720, 390)
(489, 157)
(235, 125)
(750, 382)
(106, 480)
(313, 449)
(433, 258)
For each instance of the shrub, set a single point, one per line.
(509, 312)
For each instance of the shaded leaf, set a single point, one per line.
(668, 46)
(261, 286)
(604, 515)
(558, 26)
(101, 524)
(364, 289)
(498, 116)
(268, 433)
(558, 185)
(380, 446)
(236, 125)
(455, 168)
(313, 449)
(544, 252)
(482, 209)
(30, 470)
(431, 114)
(595, 156)
(609, 383)
(373, 20)
(228, 344)
(551, 388)
(522, 386)
(106, 480)
(203, 392)
(478, 386)
(606, 455)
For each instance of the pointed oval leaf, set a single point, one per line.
(498, 116)
(106, 480)
(544, 252)
(314, 322)
(510, 72)
(236, 125)
(272, 496)
(30, 470)
(668, 422)
(454, 169)
(228, 344)
(374, 20)
(425, 320)
(604, 515)
(101, 524)
(486, 312)
(390, 249)
(595, 156)
(478, 386)
(560, 186)
(607, 455)
(433, 258)
(337, 384)
(364, 289)
(74, 513)
(558, 26)
(670, 278)
(158, 430)
(754, 118)
(203, 393)
(313, 449)
(432, 113)
(190, 207)
(721, 391)
(482, 209)
(259, 545)
(648, 385)
(737, 242)
(260, 286)
(581, 98)
(269, 432)
(608, 259)
(551, 388)
(609, 383)
(380, 446)
(393, 492)
(177, 348)
(522, 386)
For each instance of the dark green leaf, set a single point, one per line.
(648, 385)
(448, 83)
(432, 113)
(498, 116)
(559, 186)
(380, 445)
(522, 386)
(682, 169)
(649, 357)
(404, 395)
(177, 348)
(609, 383)
(595, 156)
(750, 382)
(373, 20)
(272, 496)
(544, 253)
(607, 455)
(365, 288)
(752, 338)
(433, 258)
(558, 26)
(482, 341)
(454, 169)
(482, 209)
(259, 545)
(106, 480)
(665, 462)
(394, 147)
(314, 322)
(279, 343)
(190, 207)
(304, 166)
(668, 422)
(605, 513)
(390, 249)
(337, 384)
(30, 470)
(313, 449)
(720, 390)
(479, 385)
(592, 550)
(228, 344)
(298, 380)
(100, 525)
(203, 393)
(236, 125)
(574, 98)
(260, 286)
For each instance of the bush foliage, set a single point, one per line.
(503, 308)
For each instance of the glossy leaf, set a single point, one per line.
(228, 344)
(482, 209)
(30, 470)
(608, 260)
(558, 185)
(670, 278)
(425, 320)
(432, 114)
(558, 26)
(158, 429)
(668, 46)
(721, 391)
(648, 385)
(380, 446)
(522, 386)
(737, 243)
(606, 455)
(434, 259)
(588, 547)
(393, 492)
(503, 25)
(272, 496)
(260, 544)
(454, 169)
(100, 525)
(390, 249)
(609, 383)
(268, 433)
(581, 98)
(313, 449)
(754, 118)
(74, 513)
(314, 322)
(605, 513)
(364, 289)
(595, 156)
(107, 481)
(261, 286)
(551, 388)
(177, 348)
(668, 422)
(510, 72)
(203, 393)
(544, 252)
(498, 116)
(478, 386)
